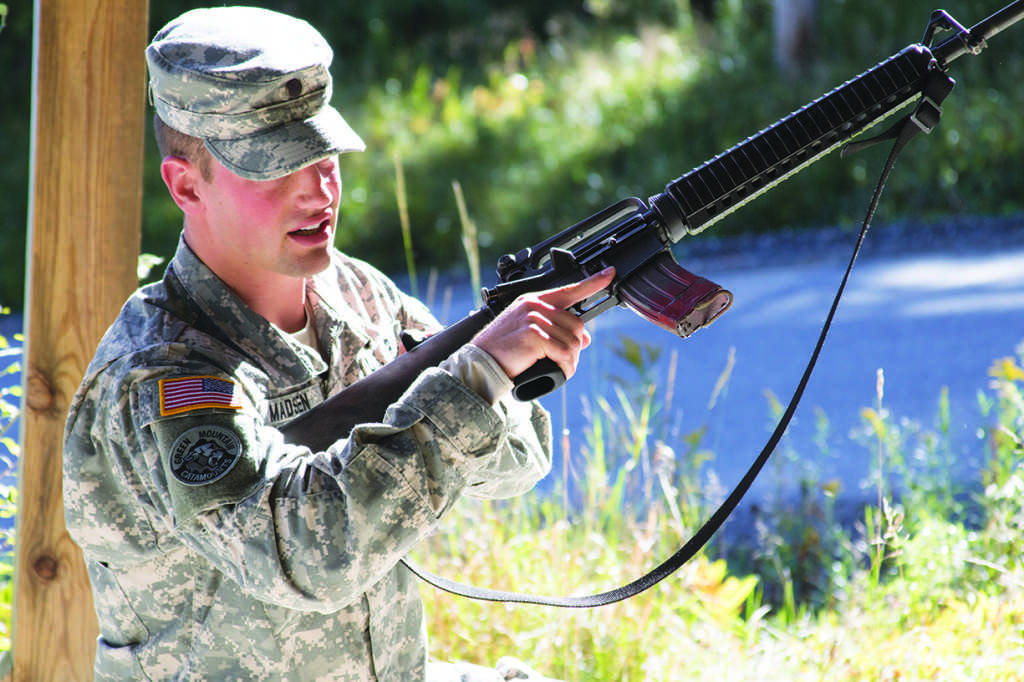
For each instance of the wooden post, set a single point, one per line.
(88, 113)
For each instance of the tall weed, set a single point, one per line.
(1001, 544)
(916, 592)
(10, 397)
(636, 506)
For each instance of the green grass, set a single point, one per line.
(928, 585)
(921, 589)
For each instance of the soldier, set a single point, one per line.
(216, 550)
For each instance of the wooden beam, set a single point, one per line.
(88, 114)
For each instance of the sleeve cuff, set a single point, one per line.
(475, 367)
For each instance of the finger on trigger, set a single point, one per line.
(564, 297)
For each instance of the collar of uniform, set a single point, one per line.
(249, 330)
(338, 328)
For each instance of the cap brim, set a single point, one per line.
(284, 149)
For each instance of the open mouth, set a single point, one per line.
(311, 231)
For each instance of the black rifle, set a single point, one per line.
(636, 236)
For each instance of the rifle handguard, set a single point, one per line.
(674, 298)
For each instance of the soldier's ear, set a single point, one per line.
(183, 178)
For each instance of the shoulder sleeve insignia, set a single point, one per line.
(193, 393)
(204, 454)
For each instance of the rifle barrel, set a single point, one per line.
(974, 40)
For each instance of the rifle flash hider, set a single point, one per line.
(672, 297)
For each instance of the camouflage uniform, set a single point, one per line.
(219, 552)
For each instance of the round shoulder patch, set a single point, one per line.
(204, 454)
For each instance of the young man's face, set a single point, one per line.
(284, 226)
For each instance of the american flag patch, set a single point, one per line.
(193, 393)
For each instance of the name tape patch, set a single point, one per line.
(194, 393)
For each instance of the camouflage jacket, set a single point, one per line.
(219, 552)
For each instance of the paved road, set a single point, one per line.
(928, 321)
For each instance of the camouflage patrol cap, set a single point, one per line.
(253, 84)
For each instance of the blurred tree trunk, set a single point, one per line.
(794, 35)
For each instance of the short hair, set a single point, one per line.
(173, 142)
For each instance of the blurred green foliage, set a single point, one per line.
(546, 111)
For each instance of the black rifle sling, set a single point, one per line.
(923, 119)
